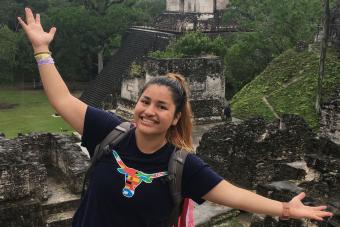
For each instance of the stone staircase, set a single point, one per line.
(60, 207)
(60, 214)
(137, 42)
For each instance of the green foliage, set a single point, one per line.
(87, 34)
(8, 48)
(150, 7)
(276, 25)
(192, 44)
(85, 30)
(289, 84)
(282, 22)
(11, 9)
(26, 69)
(247, 56)
(136, 70)
(165, 54)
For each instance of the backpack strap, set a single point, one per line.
(175, 173)
(113, 138)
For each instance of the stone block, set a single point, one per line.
(290, 171)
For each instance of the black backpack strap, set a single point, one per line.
(113, 138)
(175, 173)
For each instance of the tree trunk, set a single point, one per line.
(323, 49)
(100, 61)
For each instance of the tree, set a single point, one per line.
(8, 49)
(193, 44)
(11, 9)
(275, 27)
(323, 49)
(98, 6)
(247, 56)
(282, 22)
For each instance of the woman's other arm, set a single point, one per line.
(229, 195)
(70, 108)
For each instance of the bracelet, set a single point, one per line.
(285, 211)
(45, 52)
(41, 56)
(45, 61)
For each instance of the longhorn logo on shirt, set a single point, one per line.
(134, 177)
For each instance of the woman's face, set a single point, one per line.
(155, 111)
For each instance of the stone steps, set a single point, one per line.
(59, 214)
(137, 43)
(63, 219)
(59, 207)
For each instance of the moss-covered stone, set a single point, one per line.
(289, 83)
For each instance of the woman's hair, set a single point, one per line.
(180, 134)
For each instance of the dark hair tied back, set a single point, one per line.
(176, 83)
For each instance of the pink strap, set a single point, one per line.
(187, 216)
(190, 216)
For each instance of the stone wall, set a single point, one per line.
(181, 22)
(22, 174)
(278, 163)
(204, 77)
(66, 156)
(197, 6)
(25, 163)
(131, 88)
(330, 118)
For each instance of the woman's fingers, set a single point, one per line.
(37, 18)
(22, 23)
(319, 208)
(52, 31)
(29, 16)
(300, 196)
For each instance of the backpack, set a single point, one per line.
(182, 213)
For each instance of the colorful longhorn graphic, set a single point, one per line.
(134, 177)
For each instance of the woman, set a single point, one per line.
(163, 121)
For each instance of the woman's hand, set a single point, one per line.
(298, 210)
(38, 37)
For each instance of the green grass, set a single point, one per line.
(33, 113)
(289, 84)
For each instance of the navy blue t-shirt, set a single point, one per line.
(128, 187)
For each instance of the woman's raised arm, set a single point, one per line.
(70, 108)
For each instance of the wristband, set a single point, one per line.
(44, 52)
(285, 215)
(42, 56)
(45, 61)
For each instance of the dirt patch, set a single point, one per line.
(6, 106)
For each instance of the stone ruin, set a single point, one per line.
(191, 15)
(41, 176)
(277, 163)
(205, 80)
(180, 16)
(330, 118)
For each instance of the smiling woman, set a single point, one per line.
(163, 126)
